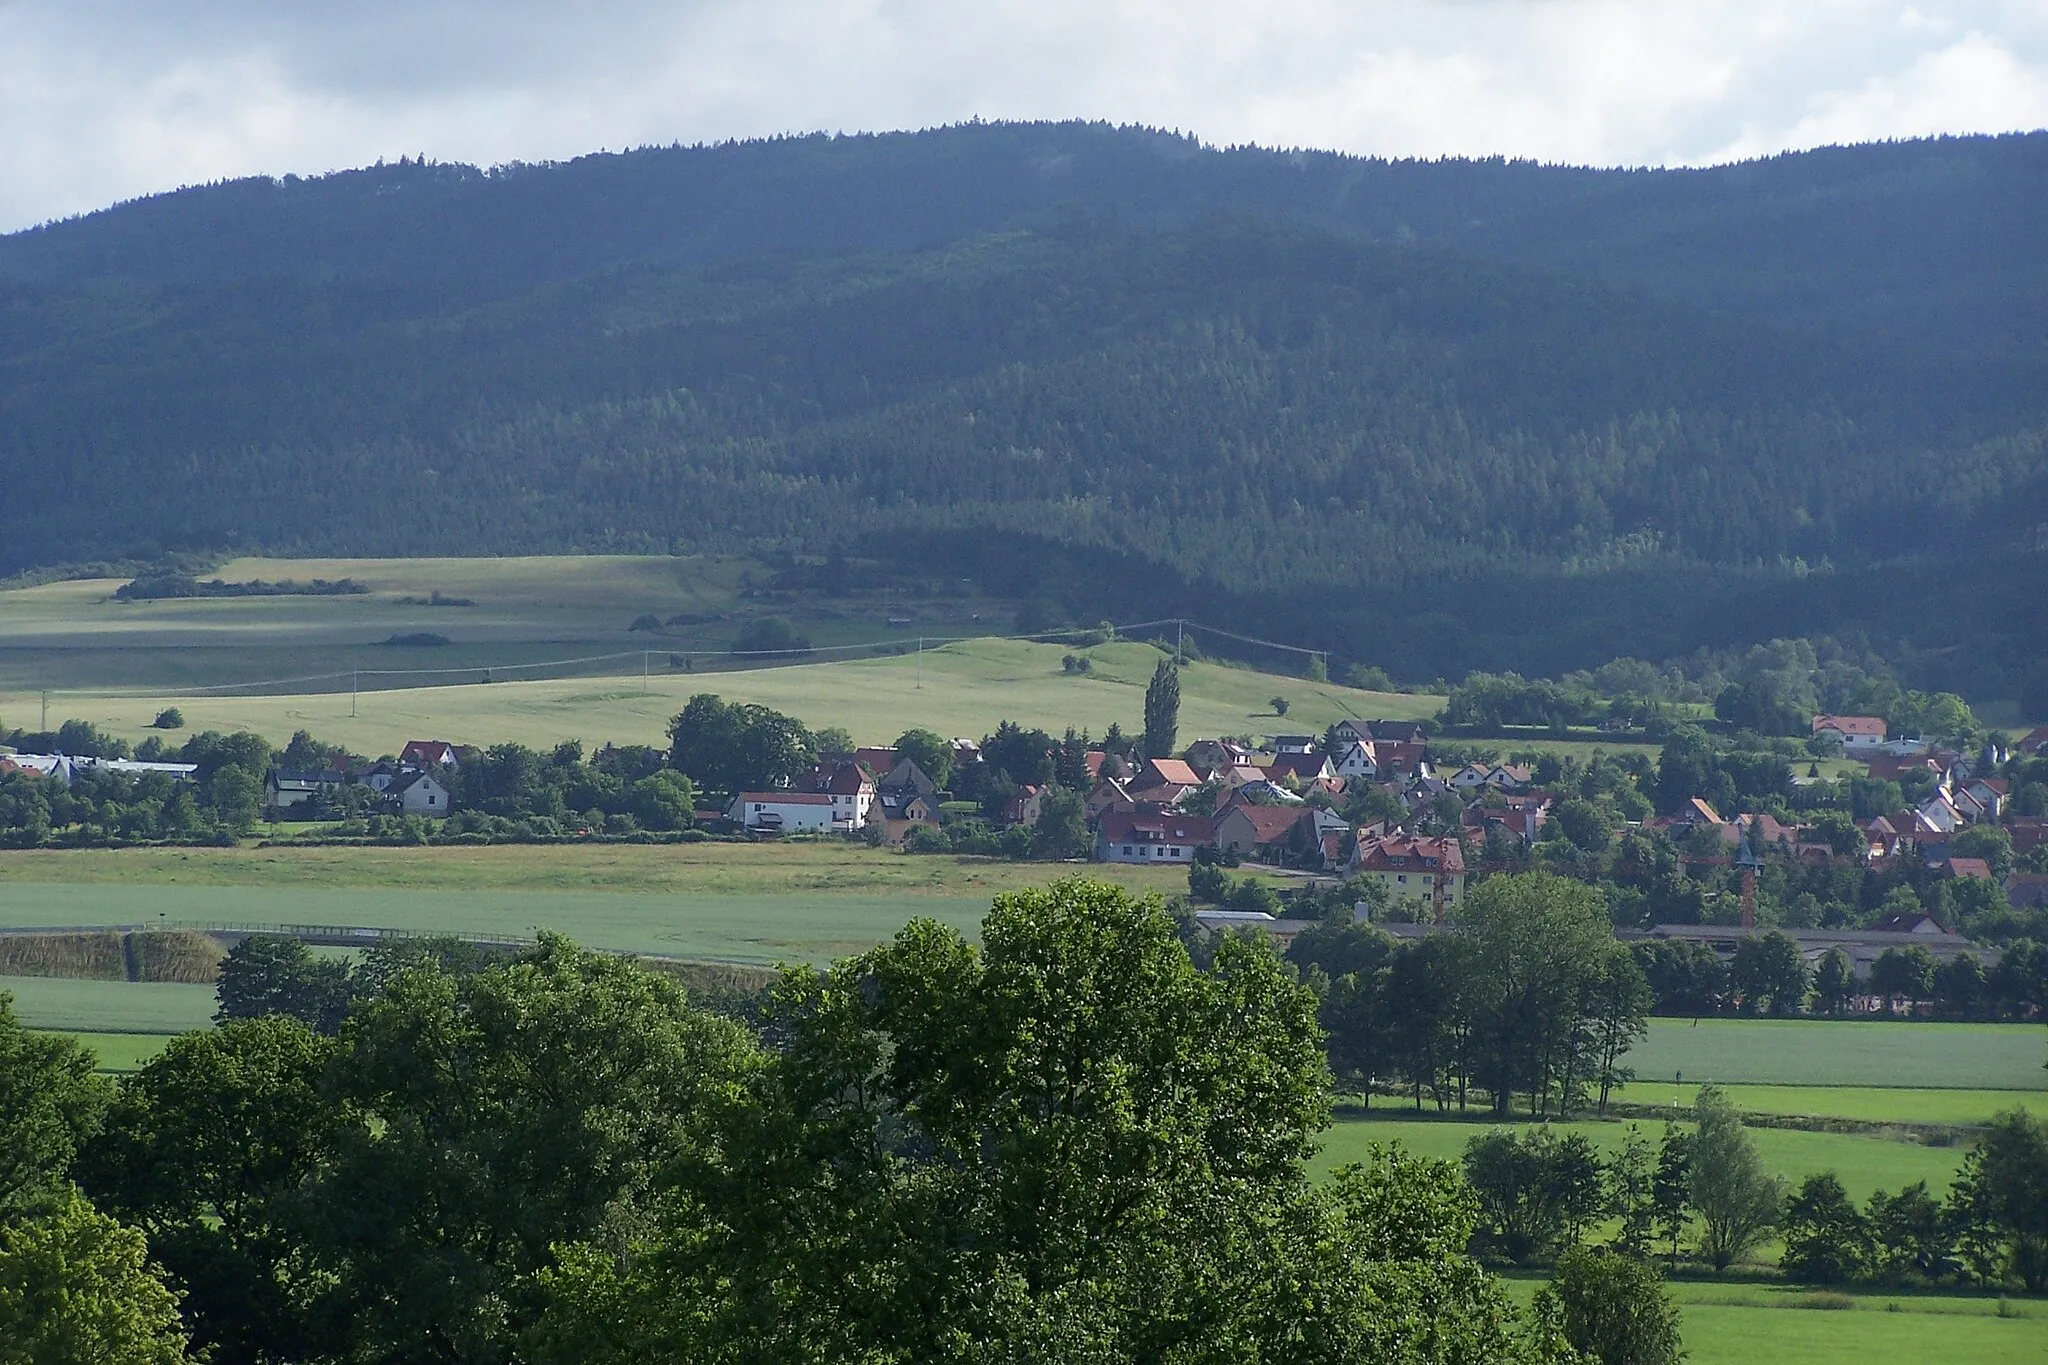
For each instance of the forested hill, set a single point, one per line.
(1925, 240)
(1437, 416)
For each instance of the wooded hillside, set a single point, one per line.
(1436, 416)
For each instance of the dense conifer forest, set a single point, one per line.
(1431, 416)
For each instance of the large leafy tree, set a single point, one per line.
(2000, 1201)
(206, 1150)
(50, 1103)
(268, 974)
(76, 1286)
(737, 746)
(1737, 1201)
(502, 1114)
(1540, 941)
(1070, 1144)
(1614, 1309)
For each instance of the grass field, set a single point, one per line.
(1863, 1163)
(1819, 1052)
(108, 1007)
(755, 903)
(122, 1052)
(1869, 1104)
(1769, 1324)
(153, 654)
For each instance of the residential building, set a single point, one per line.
(1424, 873)
(1151, 836)
(1274, 833)
(786, 812)
(428, 753)
(1859, 734)
(419, 793)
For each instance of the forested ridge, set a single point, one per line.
(1437, 416)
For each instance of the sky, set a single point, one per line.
(103, 100)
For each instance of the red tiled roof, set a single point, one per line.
(1399, 853)
(1850, 725)
(1156, 827)
(1159, 770)
(1271, 822)
(785, 798)
(1967, 867)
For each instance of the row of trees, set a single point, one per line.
(1069, 1144)
(1530, 996)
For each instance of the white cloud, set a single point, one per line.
(104, 99)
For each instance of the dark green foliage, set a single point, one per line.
(1615, 1310)
(1827, 1241)
(932, 753)
(1727, 1186)
(206, 1151)
(2000, 1202)
(895, 380)
(1909, 1238)
(1162, 710)
(1537, 1191)
(266, 974)
(769, 637)
(1770, 975)
(733, 747)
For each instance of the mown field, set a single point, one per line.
(1773, 1324)
(109, 1007)
(1821, 1052)
(119, 663)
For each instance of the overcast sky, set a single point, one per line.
(108, 99)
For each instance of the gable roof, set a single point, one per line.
(426, 752)
(1166, 770)
(1155, 827)
(1967, 867)
(1269, 823)
(1405, 853)
(1869, 726)
(785, 798)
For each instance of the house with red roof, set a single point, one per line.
(1424, 874)
(787, 812)
(1275, 833)
(428, 753)
(1966, 867)
(1151, 836)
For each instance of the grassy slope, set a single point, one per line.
(1816, 1052)
(959, 689)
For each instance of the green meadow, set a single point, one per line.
(109, 1007)
(1821, 1052)
(1771, 1324)
(1862, 1104)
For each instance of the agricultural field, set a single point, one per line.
(1819, 1052)
(118, 663)
(1864, 1163)
(109, 1007)
(749, 903)
(1861, 1104)
(1775, 1324)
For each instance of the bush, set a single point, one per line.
(170, 718)
(1615, 1310)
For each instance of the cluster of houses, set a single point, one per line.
(66, 768)
(416, 783)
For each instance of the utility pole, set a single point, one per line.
(920, 663)
(1176, 642)
(351, 694)
(645, 655)
(45, 726)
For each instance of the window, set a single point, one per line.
(431, 798)
(1403, 879)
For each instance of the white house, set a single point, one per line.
(1357, 759)
(789, 812)
(420, 794)
(1859, 734)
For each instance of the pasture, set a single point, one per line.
(1863, 1163)
(1863, 1104)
